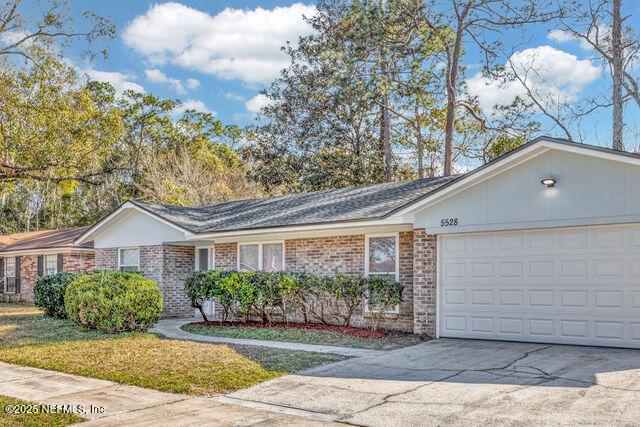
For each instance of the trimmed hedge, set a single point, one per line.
(326, 299)
(49, 291)
(114, 301)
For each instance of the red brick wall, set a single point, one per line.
(424, 282)
(76, 262)
(73, 262)
(338, 255)
(28, 276)
(226, 256)
(107, 259)
(178, 264)
(326, 255)
(167, 265)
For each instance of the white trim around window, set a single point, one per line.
(396, 309)
(366, 253)
(120, 265)
(211, 258)
(260, 246)
(50, 266)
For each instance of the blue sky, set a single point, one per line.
(218, 55)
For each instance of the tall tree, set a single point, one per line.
(617, 70)
(600, 24)
(344, 98)
(481, 23)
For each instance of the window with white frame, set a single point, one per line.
(382, 257)
(128, 259)
(50, 264)
(205, 259)
(261, 257)
(10, 267)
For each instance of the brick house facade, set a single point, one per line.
(72, 262)
(25, 256)
(170, 265)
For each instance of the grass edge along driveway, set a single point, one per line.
(296, 334)
(146, 360)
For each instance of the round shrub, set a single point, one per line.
(114, 301)
(48, 293)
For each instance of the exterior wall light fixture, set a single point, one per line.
(549, 182)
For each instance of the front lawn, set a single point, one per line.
(308, 334)
(29, 339)
(8, 419)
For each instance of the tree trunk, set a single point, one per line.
(453, 67)
(617, 65)
(385, 127)
(419, 143)
(386, 139)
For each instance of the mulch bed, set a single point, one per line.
(348, 330)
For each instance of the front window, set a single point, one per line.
(261, 256)
(10, 267)
(273, 257)
(383, 256)
(50, 264)
(129, 259)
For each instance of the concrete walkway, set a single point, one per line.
(170, 328)
(116, 404)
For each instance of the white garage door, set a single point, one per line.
(571, 285)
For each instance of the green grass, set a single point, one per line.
(307, 336)
(33, 420)
(29, 339)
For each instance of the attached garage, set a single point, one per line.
(541, 245)
(572, 285)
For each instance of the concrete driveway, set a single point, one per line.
(466, 382)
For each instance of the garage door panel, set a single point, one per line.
(578, 286)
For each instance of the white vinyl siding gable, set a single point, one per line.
(589, 190)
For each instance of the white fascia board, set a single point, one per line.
(113, 218)
(505, 164)
(592, 153)
(303, 229)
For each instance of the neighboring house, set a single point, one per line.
(542, 244)
(26, 256)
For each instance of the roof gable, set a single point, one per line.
(512, 159)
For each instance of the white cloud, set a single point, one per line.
(234, 96)
(257, 103)
(235, 43)
(119, 81)
(560, 36)
(192, 104)
(602, 36)
(553, 75)
(156, 76)
(193, 83)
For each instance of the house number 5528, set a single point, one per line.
(448, 222)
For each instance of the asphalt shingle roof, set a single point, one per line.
(327, 206)
(43, 239)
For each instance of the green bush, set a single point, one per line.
(213, 284)
(327, 299)
(383, 294)
(48, 293)
(114, 301)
